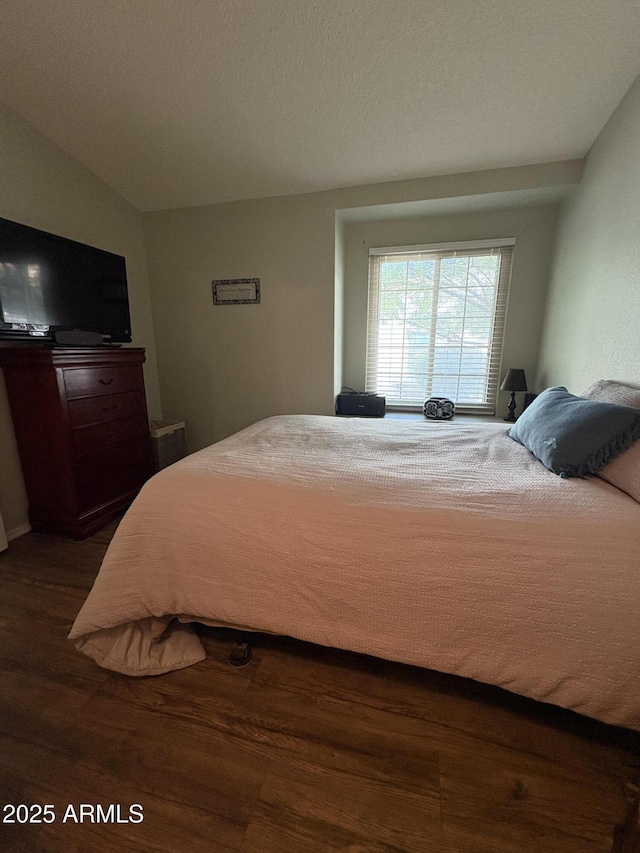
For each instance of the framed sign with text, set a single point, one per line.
(236, 291)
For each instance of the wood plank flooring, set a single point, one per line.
(305, 749)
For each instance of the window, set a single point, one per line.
(436, 322)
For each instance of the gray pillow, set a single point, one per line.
(572, 436)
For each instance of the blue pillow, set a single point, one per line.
(572, 436)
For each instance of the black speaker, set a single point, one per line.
(359, 404)
(78, 338)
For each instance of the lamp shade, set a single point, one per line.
(514, 380)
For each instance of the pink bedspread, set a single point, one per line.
(445, 545)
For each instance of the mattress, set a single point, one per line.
(445, 545)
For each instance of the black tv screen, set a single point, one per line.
(49, 284)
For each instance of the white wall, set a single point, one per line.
(43, 187)
(533, 228)
(592, 330)
(224, 367)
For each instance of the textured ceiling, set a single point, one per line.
(189, 102)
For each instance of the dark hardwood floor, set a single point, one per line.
(305, 749)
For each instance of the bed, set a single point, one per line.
(446, 545)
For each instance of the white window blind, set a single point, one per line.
(436, 323)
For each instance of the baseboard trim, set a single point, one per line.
(18, 531)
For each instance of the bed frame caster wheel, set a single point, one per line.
(240, 654)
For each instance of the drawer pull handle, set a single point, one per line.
(106, 381)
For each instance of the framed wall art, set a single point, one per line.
(236, 291)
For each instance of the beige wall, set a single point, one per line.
(338, 307)
(533, 228)
(43, 187)
(592, 329)
(224, 367)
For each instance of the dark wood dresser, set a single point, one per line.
(80, 418)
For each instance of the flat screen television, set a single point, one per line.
(50, 284)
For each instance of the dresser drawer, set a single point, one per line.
(95, 437)
(120, 470)
(90, 381)
(91, 410)
(73, 409)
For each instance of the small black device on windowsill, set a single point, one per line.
(351, 403)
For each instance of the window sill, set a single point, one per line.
(457, 418)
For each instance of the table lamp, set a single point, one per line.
(513, 381)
